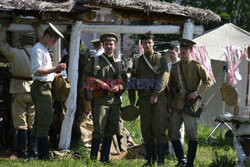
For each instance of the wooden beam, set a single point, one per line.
(65, 135)
(134, 29)
(28, 27)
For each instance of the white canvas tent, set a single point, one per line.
(214, 40)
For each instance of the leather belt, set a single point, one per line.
(22, 78)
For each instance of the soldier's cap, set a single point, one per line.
(96, 42)
(109, 37)
(186, 42)
(129, 113)
(54, 31)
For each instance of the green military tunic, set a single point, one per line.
(153, 116)
(197, 79)
(106, 109)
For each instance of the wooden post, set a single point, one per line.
(118, 43)
(57, 52)
(67, 123)
(188, 30)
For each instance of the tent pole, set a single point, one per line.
(248, 73)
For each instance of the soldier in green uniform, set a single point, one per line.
(107, 79)
(151, 76)
(191, 72)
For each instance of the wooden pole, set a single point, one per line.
(188, 30)
(118, 43)
(67, 123)
(57, 52)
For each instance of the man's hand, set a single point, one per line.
(60, 67)
(114, 89)
(105, 86)
(192, 96)
(153, 100)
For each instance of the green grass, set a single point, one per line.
(219, 153)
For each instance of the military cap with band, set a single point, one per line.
(109, 37)
(96, 42)
(186, 42)
(54, 31)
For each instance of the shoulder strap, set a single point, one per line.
(149, 65)
(27, 53)
(110, 65)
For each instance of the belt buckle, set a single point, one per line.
(110, 93)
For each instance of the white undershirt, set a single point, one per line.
(40, 58)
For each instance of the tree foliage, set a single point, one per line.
(230, 11)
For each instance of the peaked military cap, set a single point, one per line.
(96, 42)
(186, 42)
(54, 31)
(109, 36)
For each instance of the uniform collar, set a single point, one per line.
(186, 61)
(149, 54)
(111, 59)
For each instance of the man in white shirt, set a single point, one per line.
(43, 74)
(98, 47)
(173, 53)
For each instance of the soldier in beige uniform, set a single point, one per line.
(99, 75)
(22, 106)
(150, 73)
(198, 81)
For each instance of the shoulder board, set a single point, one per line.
(197, 62)
(176, 63)
(158, 53)
(136, 56)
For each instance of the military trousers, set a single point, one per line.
(23, 111)
(105, 120)
(42, 98)
(153, 120)
(175, 121)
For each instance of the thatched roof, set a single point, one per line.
(40, 5)
(154, 7)
(132, 9)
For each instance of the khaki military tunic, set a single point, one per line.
(23, 111)
(197, 79)
(106, 109)
(153, 116)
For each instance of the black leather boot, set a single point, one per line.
(22, 143)
(32, 145)
(192, 148)
(105, 150)
(150, 154)
(180, 153)
(94, 148)
(160, 149)
(42, 148)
